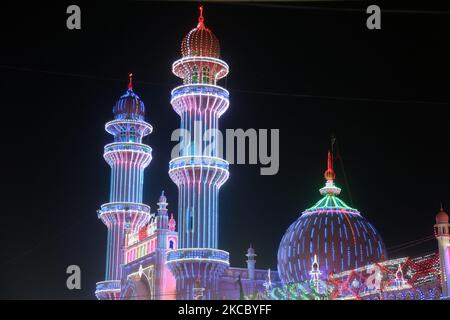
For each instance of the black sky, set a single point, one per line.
(58, 88)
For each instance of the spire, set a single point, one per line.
(130, 81)
(329, 173)
(200, 18)
(250, 252)
(162, 197)
(162, 204)
(330, 188)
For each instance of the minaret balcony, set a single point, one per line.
(199, 255)
(128, 213)
(108, 290)
(128, 152)
(184, 67)
(195, 168)
(200, 97)
(141, 128)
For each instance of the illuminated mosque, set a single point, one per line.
(329, 252)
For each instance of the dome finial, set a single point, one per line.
(330, 176)
(200, 18)
(442, 208)
(329, 173)
(130, 81)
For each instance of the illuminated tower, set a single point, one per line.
(442, 233)
(198, 171)
(128, 158)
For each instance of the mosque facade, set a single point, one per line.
(330, 252)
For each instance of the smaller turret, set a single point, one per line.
(251, 262)
(442, 234)
(162, 212)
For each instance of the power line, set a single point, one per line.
(80, 75)
(337, 9)
(234, 90)
(412, 244)
(411, 241)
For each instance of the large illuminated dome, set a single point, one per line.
(340, 237)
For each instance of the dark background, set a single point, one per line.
(58, 88)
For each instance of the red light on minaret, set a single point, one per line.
(130, 81)
(200, 18)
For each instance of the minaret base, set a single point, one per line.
(197, 272)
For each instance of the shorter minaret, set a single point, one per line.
(166, 241)
(125, 212)
(442, 233)
(251, 262)
(163, 222)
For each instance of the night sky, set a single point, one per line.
(58, 88)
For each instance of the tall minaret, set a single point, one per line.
(128, 158)
(442, 233)
(198, 171)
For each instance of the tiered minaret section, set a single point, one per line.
(125, 212)
(442, 233)
(199, 172)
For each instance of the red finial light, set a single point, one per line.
(200, 18)
(329, 173)
(130, 81)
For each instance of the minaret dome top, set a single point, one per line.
(200, 41)
(442, 216)
(129, 106)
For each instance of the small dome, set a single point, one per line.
(200, 41)
(129, 106)
(442, 217)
